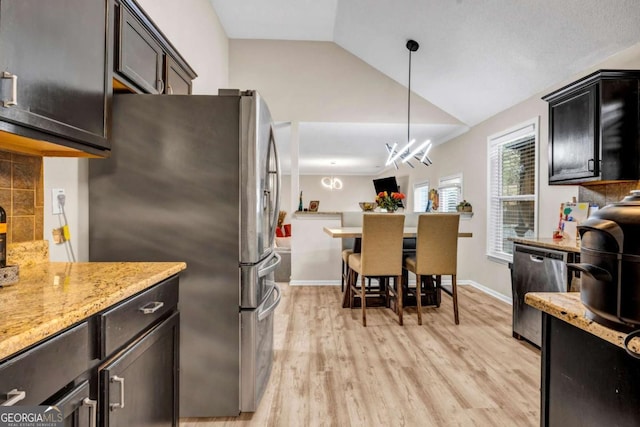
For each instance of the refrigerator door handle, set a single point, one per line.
(272, 266)
(276, 171)
(263, 314)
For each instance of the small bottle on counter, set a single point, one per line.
(3, 238)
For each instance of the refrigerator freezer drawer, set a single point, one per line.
(256, 350)
(255, 280)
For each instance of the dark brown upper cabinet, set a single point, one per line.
(55, 79)
(594, 129)
(145, 61)
(140, 57)
(178, 81)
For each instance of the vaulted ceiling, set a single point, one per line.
(476, 57)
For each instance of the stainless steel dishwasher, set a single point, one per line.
(534, 270)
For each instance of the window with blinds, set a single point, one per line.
(449, 193)
(513, 188)
(420, 196)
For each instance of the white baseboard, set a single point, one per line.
(488, 291)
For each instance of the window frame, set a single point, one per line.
(502, 138)
(421, 184)
(452, 177)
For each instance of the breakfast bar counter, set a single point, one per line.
(51, 296)
(588, 378)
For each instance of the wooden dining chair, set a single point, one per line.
(380, 256)
(348, 219)
(436, 255)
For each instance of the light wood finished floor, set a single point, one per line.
(331, 371)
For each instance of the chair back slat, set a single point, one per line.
(382, 244)
(437, 244)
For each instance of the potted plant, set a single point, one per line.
(464, 206)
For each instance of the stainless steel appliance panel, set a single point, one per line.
(255, 280)
(257, 156)
(535, 270)
(170, 192)
(257, 348)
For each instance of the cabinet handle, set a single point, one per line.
(14, 89)
(160, 86)
(152, 307)
(93, 406)
(591, 164)
(13, 397)
(119, 405)
(169, 90)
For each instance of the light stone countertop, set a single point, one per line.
(51, 296)
(567, 306)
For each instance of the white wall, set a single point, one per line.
(355, 189)
(308, 81)
(69, 174)
(194, 29)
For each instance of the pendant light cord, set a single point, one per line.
(409, 102)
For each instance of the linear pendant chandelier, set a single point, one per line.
(408, 152)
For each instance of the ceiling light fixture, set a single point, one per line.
(331, 183)
(420, 153)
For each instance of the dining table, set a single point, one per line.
(356, 233)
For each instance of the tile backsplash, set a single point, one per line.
(22, 196)
(604, 194)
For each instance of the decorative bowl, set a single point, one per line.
(368, 206)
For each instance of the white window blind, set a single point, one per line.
(513, 184)
(449, 193)
(420, 196)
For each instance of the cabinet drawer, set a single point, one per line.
(125, 321)
(43, 370)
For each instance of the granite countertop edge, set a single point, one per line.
(567, 307)
(53, 296)
(565, 245)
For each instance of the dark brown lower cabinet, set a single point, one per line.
(586, 381)
(77, 407)
(139, 386)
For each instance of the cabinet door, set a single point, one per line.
(177, 80)
(77, 407)
(140, 57)
(573, 146)
(140, 386)
(53, 65)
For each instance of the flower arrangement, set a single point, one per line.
(390, 202)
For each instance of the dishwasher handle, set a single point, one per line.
(536, 258)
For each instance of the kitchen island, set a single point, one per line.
(588, 379)
(71, 334)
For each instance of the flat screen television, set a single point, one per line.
(388, 184)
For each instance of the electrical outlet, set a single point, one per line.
(55, 205)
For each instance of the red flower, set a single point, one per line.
(389, 202)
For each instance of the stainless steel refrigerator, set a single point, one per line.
(196, 178)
